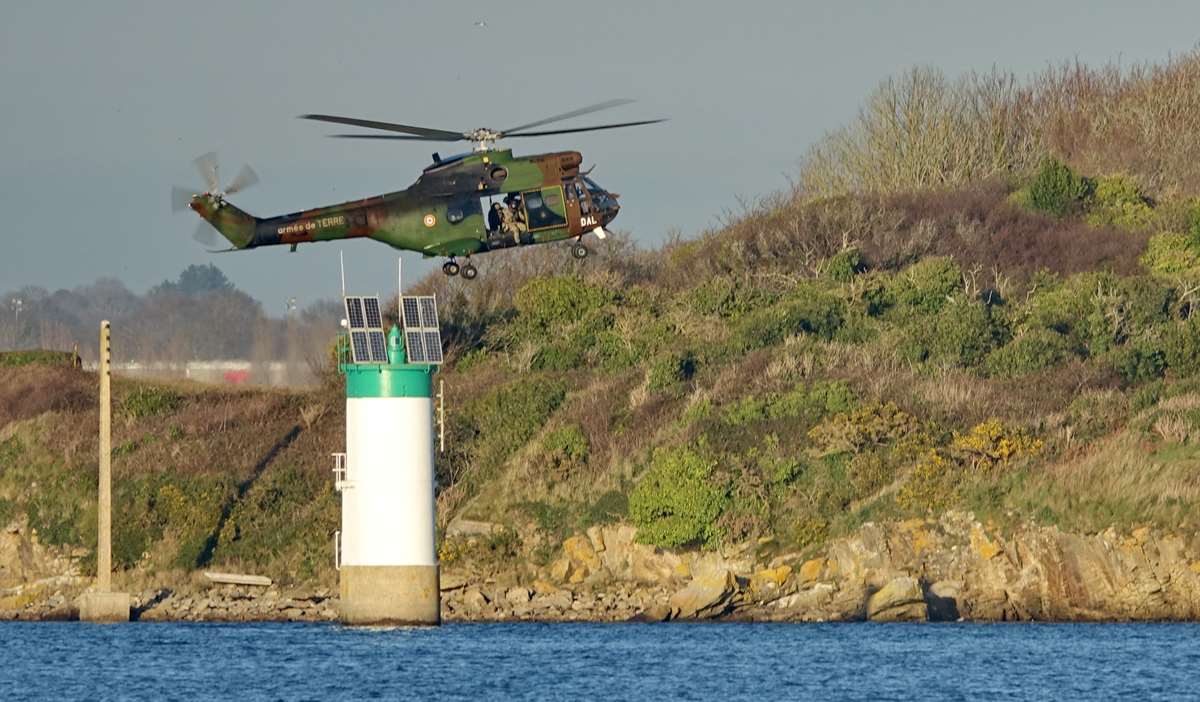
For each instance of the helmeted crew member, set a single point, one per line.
(507, 224)
(515, 224)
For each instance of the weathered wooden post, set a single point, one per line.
(104, 513)
(100, 604)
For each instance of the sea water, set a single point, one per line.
(772, 662)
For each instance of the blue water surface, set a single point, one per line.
(57, 661)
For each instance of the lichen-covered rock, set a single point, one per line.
(900, 600)
(706, 596)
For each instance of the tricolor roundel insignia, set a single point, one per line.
(429, 220)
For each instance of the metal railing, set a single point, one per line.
(339, 471)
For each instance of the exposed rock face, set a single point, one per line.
(707, 596)
(942, 570)
(964, 570)
(900, 600)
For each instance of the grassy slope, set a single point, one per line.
(761, 397)
(202, 477)
(1018, 345)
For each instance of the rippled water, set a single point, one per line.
(611, 661)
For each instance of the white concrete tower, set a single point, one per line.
(387, 551)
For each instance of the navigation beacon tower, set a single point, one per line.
(385, 550)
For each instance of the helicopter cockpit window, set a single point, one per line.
(585, 202)
(545, 208)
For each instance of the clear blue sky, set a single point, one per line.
(105, 104)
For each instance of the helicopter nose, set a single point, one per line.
(609, 213)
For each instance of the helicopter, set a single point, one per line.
(452, 210)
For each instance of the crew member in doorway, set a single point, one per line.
(495, 218)
(517, 224)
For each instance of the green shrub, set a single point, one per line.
(1117, 202)
(1193, 224)
(869, 472)
(805, 403)
(961, 335)
(810, 530)
(1095, 311)
(150, 401)
(932, 486)
(810, 311)
(873, 424)
(727, 297)
(609, 508)
(573, 343)
(676, 502)
(927, 285)
(544, 304)
(1181, 347)
(844, 265)
(1030, 352)
(668, 370)
(554, 519)
(566, 450)
(1056, 190)
(558, 356)
(1172, 255)
(1140, 361)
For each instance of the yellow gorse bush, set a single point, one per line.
(991, 444)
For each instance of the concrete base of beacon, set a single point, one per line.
(105, 607)
(406, 595)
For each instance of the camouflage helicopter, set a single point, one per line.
(454, 209)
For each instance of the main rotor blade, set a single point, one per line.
(441, 134)
(181, 198)
(567, 115)
(207, 166)
(244, 179)
(586, 129)
(386, 136)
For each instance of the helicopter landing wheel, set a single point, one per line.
(450, 268)
(579, 251)
(469, 272)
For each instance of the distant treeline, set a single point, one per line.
(198, 316)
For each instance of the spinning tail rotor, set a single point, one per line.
(210, 202)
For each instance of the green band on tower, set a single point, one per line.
(394, 379)
(389, 381)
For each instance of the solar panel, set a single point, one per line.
(411, 317)
(354, 312)
(360, 347)
(415, 347)
(371, 307)
(378, 346)
(433, 346)
(368, 342)
(428, 312)
(422, 338)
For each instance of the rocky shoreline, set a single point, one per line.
(950, 569)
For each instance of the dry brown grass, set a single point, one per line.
(922, 130)
(1124, 467)
(28, 391)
